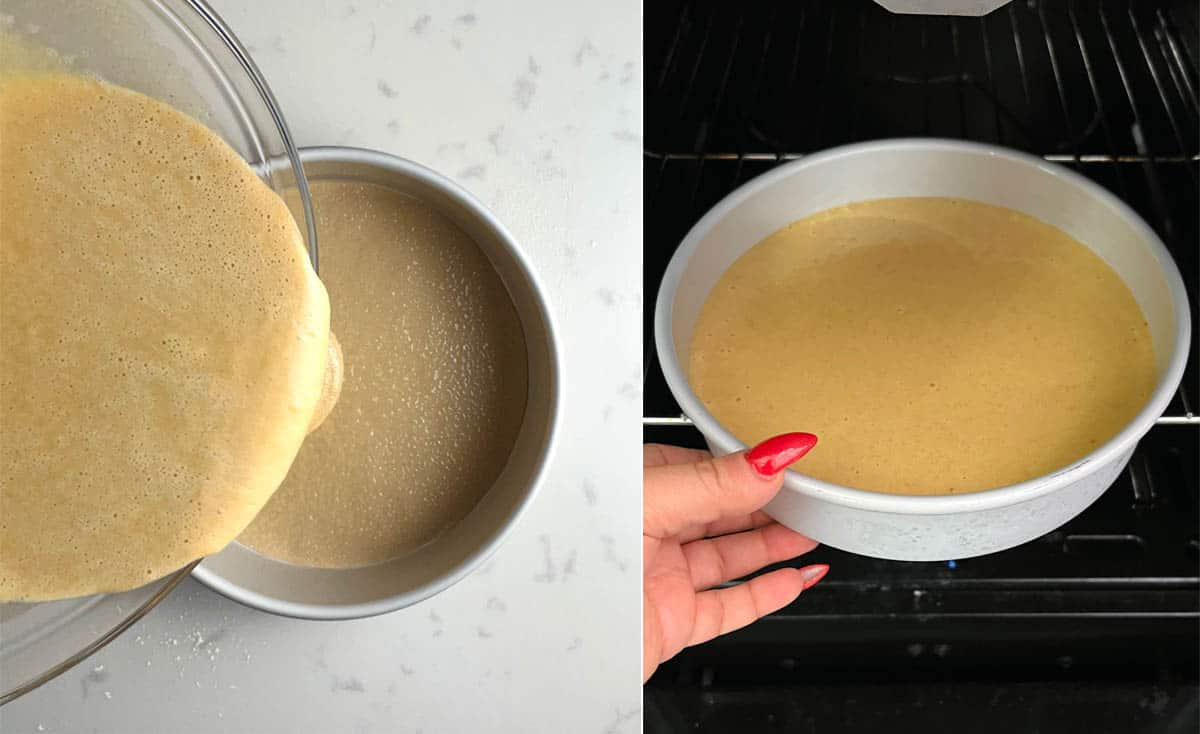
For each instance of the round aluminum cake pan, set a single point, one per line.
(930, 528)
(323, 593)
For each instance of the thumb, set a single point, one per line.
(678, 496)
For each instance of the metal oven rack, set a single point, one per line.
(1108, 88)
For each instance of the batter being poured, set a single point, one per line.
(163, 338)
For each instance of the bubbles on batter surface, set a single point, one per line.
(434, 391)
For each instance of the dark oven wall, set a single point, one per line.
(1093, 625)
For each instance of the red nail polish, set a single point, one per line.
(775, 454)
(810, 575)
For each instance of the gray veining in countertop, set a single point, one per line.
(535, 107)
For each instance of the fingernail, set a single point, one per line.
(810, 575)
(775, 454)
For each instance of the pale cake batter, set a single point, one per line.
(434, 392)
(935, 345)
(163, 339)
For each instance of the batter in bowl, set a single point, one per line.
(935, 345)
(163, 338)
(434, 391)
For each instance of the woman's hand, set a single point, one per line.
(701, 526)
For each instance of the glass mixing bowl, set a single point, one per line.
(181, 52)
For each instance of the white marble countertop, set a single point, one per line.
(534, 106)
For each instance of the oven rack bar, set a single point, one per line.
(1051, 157)
(682, 421)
